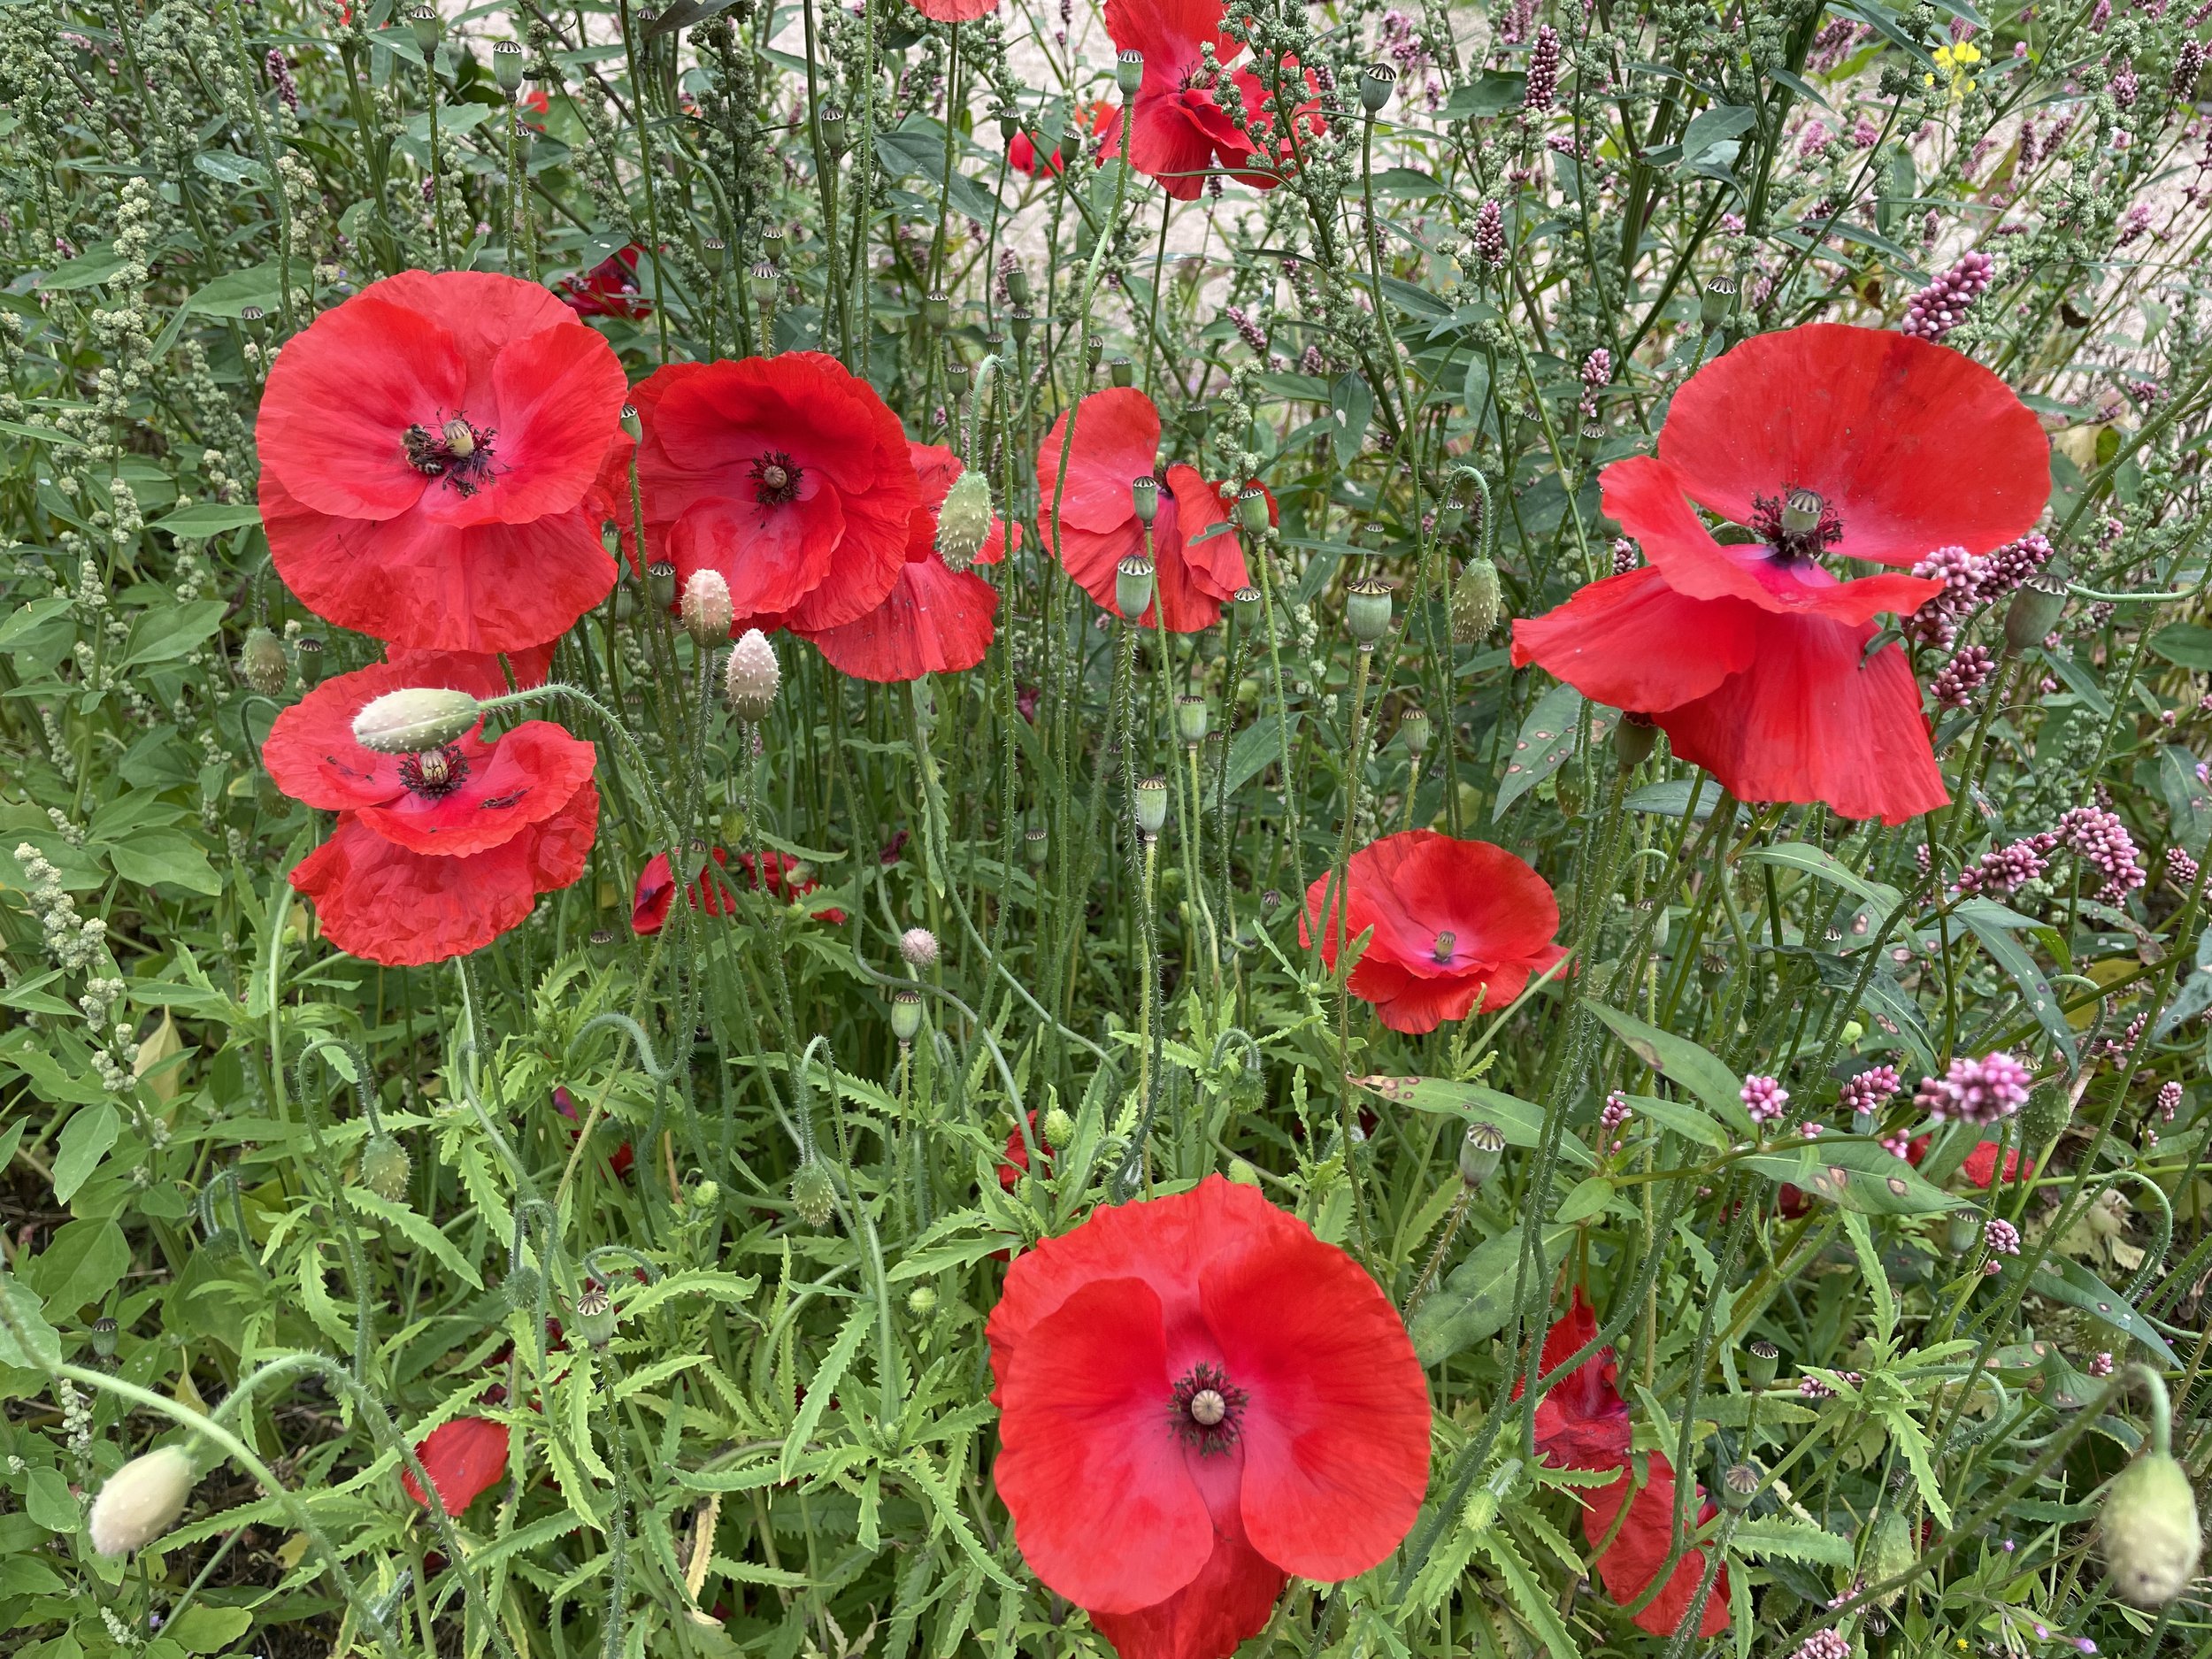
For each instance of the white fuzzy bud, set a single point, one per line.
(919, 946)
(706, 608)
(141, 1500)
(417, 719)
(752, 677)
(963, 523)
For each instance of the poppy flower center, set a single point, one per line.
(454, 450)
(776, 479)
(1207, 1411)
(435, 772)
(1798, 525)
(1446, 942)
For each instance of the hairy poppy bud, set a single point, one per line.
(918, 946)
(595, 1315)
(1252, 508)
(1129, 72)
(1480, 1154)
(141, 1500)
(921, 1302)
(1192, 717)
(1367, 610)
(261, 662)
(2150, 1525)
(522, 1287)
(1480, 1512)
(906, 1015)
(1475, 601)
(752, 677)
(963, 523)
(705, 608)
(385, 1167)
(1761, 1358)
(507, 66)
(1375, 82)
(1133, 585)
(1414, 731)
(1151, 795)
(1058, 1127)
(417, 719)
(812, 1194)
(1144, 497)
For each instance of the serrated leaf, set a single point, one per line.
(950, 1253)
(945, 1508)
(1772, 1535)
(824, 1383)
(315, 1296)
(1529, 1597)
(711, 1284)
(417, 1230)
(1870, 1269)
(1912, 1439)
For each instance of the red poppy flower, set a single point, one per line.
(1201, 1398)
(433, 854)
(1458, 924)
(610, 288)
(936, 621)
(463, 1458)
(1178, 128)
(428, 448)
(787, 474)
(535, 105)
(655, 888)
(1096, 117)
(1016, 1161)
(531, 666)
(1582, 1421)
(1979, 1166)
(619, 1161)
(1752, 658)
(1199, 562)
(954, 11)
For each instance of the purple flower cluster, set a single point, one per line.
(1964, 675)
(1597, 371)
(2096, 835)
(2004, 871)
(1490, 234)
(2005, 568)
(2001, 1237)
(1764, 1098)
(2168, 1101)
(1936, 622)
(2181, 869)
(1248, 330)
(1941, 306)
(1543, 70)
(1871, 1090)
(1825, 1644)
(1612, 1117)
(1626, 554)
(1977, 1091)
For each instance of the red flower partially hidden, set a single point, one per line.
(1200, 1399)
(1178, 130)
(1752, 658)
(427, 450)
(1198, 560)
(433, 854)
(1979, 1166)
(463, 1458)
(1016, 1161)
(1583, 1423)
(1021, 150)
(936, 621)
(619, 1161)
(534, 108)
(787, 474)
(954, 11)
(610, 288)
(714, 892)
(1458, 924)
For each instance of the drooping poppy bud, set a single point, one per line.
(141, 1500)
(415, 719)
(2151, 1537)
(385, 1167)
(1474, 606)
(813, 1195)
(963, 523)
(752, 677)
(261, 662)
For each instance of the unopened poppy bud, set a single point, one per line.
(595, 1315)
(936, 312)
(2037, 606)
(1633, 740)
(921, 1302)
(1375, 82)
(1058, 1128)
(1717, 301)
(261, 662)
(706, 606)
(918, 946)
(1367, 610)
(660, 584)
(1191, 719)
(141, 1500)
(813, 1195)
(963, 523)
(103, 1334)
(1151, 793)
(1480, 1152)
(1252, 508)
(751, 679)
(1122, 372)
(2150, 1531)
(384, 1166)
(1036, 846)
(2049, 1110)
(1242, 1173)
(834, 129)
(1413, 730)
(1475, 601)
(1761, 1358)
(1801, 513)
(1739, 1485)
(1129, 72)
(1480, 1512)
(417, 719)
(523, 1287)
(507, 66)
(310, 659)
(1144, 497)
(427, 25)
(906, 1016)
(1133, 585)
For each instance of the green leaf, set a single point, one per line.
(823, 1385)
(165, 858)
(1588, 1198)
(205, 1629)
(1253, 750)
(168, 633)
(1814, 862)
(1992, 926)
(950, 1253)
(1912, 1439)
(1491, 93)
(2188, 803)
(50, 1503)
(418, 1231)
(225, 168)
(83, 1141)
(1476, 1301)
(2064, 1280)
(1520, 1122)
(1855, 1175)
(88, 269)
(1681, 1117)
(709, 1284)
(1530, 1597)
(26, 619)
(1548, 737)
(230, 295)
(84, 1262)
(204, 518)
(2185, 644)
(1792, 1540)
(1870, 1269)
(1682, 1062)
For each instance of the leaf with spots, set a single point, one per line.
(2063, 1279)
(1548, 737)
(1991, 925)
(1855, 1175)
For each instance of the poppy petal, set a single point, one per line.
(933, 623)
(524, 779)
(1228, 1602)
(463, 1458)
(1631, 642)
(558, 391)
(1640, 1551)
(1117, 439)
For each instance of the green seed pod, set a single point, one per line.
(921, 1302)
(963, 523)
(633, 428)
(1739, 1485)
(309, 658)
(1144, 497)
(936, 312)
(2150, 1525)
(507, 66)
(813, 1193)
(906, 1019)
(1367, 610)
(1801, 512)
(427, 26)
(1476, 599)
(1129, 72)
(836, 135)
(1151, 795)
(104, 1332)
(1762, 1359)
(1036, 846)
(1252, 509)
(1375, 82)
(596, 1317)
(1191, 719)
(660, 584)
(2049, 1110)
(261, 662)
(1058, 1128)
(1480, 1154)
(1414, 731)
(1633, 740)
(1122, 372)
(522, 1287)
(1716, 301)
(2037, 606)
(1132, 587)
(385, 1167)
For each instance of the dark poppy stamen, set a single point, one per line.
(453, 450)
(1207, 1411)
(1798, 523)
(435, 772)
(776, 479)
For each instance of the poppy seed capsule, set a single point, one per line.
(595, 1315)
(1009, 124)
(1413, 730)
(812, 1194)
(1247, 601)
(104, 1331)
(1151, 795)
(2149, 1526)
(420, 717)
(1475, 601)
(834, 129)
(1017, 286)
(906, 1015)
(1633, 740)
(1144, 497)
(918, 946)
(1122, 372)
(1375, 82)
(706, 608)
(385, 1167)
(1761, 1360)
(1739, 1485)
(1132, 587)
(763, 280)
(1252, 508)
(752, 677)
(633, 428)
(141, 1500)
(1192, 717)
(1717, 301)
(507, 66)
(1036, 846)
(427, 25)
(1480, 1154)
(1129, 72)
(963, 523)
(1367, 610)
(2036, 607)
(1801, 513)
(308, 657)
(936, 312)
(261, 662)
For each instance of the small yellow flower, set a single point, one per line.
(1957, 63)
